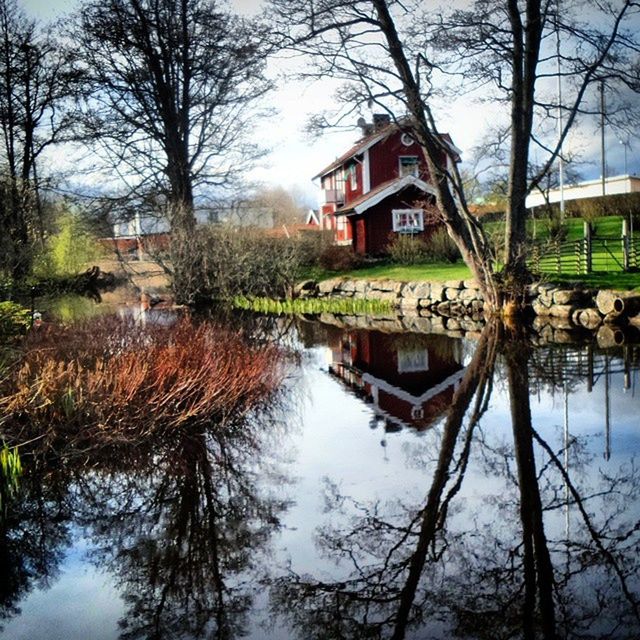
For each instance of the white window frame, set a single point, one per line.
(341, 223)
(407, 220)
(416, 164)
(412, 360)
(351, 176)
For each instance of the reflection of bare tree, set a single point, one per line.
(506, 567)
(33, 536)
(182, 519)
(537, 569)
(183, 535)
(389, 558)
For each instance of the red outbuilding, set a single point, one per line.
(378, 188)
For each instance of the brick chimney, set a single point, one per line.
(380, 120)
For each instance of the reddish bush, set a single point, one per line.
(115, 377)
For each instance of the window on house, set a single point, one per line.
(351, 176)
(408, 220)
(409, 166)
(412, 360)
(341, 223)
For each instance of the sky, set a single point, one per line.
(295, 158)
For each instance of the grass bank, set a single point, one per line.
(431, 272)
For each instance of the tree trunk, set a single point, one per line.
(461, 225)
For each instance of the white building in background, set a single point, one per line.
(147, 225)
(614, 185)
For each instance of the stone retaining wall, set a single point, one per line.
(462, 300)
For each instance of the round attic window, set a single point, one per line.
(406, 140)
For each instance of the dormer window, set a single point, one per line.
(409, 166)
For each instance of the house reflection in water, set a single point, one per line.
(409, 379)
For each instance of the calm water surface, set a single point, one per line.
(401, 486)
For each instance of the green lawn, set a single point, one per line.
(605, 226)
(606, 261)
(433, 272)
(617, 280)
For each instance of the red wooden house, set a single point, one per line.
(378, 188)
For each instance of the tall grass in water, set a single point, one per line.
(350, 306)
(10, 472)
(114, 378)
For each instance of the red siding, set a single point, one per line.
(384, 159)
(349, 193)
(377, 222)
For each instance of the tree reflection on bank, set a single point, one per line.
(186, 539)
(33, 536)
(546, 551)
(182, 521)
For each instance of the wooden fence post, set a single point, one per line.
(625, 244)
(587, 247)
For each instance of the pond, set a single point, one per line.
(399, 485)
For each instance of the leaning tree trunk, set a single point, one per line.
(461, 225)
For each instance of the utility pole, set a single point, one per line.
(602, 148)
(560, 160)
(624, 146)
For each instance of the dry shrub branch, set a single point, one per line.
(112, 378)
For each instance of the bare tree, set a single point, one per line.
(173, 86)
(37, 79)
(384, 50)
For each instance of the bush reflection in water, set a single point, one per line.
(157, 462)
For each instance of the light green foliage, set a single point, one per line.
(70, 250)
(14, 319)
(312, 305)
(10, 472)
(73, 308)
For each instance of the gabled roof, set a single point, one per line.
(382, 191)
(359, 147)
(368, 141)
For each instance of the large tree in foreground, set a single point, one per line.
(173, 85)
(392, 53)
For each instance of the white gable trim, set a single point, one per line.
(312, 218)
(394, 188)
(366, 172)
(383, 385)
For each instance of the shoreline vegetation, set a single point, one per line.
(112, 380)
(312, 305)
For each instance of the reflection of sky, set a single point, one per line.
(81, 604)
(338, 444)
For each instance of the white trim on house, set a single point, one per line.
(383, 385)
(366, 172)
(406, 140)
(359, 151)
(312, 217)
(394, 188)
